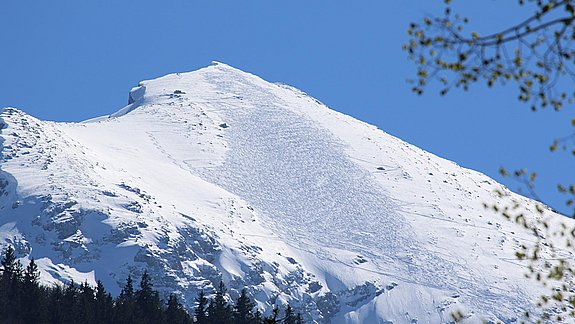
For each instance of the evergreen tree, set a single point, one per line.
(8, 262)
(273, 318)
(289, 316)
(299, 319)
(10, 286)
(219, 310)
(55, 303)
(86, 304)
(31, 274)
(31, 294)
(104, 304)
(243, 309)
(175, 312)
(200, 311)
(33, 303)
(258, 317)
(70, 306)
(125, 310)
(127, 292)
(148, 302)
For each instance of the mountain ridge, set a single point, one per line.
(218, 174)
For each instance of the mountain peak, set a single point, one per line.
(217, 175)
(182, 84)
(224, 66)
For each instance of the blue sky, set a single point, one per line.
(74, 60)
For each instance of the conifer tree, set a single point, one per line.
(219, 311)
(11, 278)
(86, 304)
(273, 318)
(243, 310)
(125, 310)
(200, 311)
(70, 305)
(104, 304)
(8, 262)
(31, 274)
(148, 301)
(299, 319)
(31, 294)
(33, 303)
(258, 317)
(289, 316)
(127, 292)
(55, 296)
(175, 312)
(9, 286)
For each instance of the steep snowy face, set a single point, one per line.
(219, 175)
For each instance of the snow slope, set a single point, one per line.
(219, 175)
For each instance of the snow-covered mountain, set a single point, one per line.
(219, 175)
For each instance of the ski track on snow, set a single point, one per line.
(250, 139)
(270, 146)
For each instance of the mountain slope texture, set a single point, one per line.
(219, 175)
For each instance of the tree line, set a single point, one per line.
(24, 300)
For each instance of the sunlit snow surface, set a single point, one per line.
(310, 192)
(217, 174)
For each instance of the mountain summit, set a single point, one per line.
(219, 175)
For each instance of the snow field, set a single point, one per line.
(218, 174)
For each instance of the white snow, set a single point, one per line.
(218, 174)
